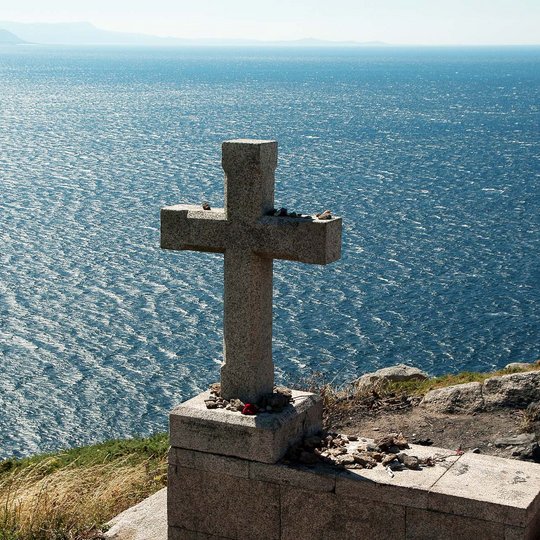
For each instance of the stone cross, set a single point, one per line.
(250, 237)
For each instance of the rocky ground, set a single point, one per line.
(497, 433)
(496, 414)
(509, 428)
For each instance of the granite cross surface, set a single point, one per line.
(250, 237)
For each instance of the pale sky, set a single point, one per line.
(475, 22)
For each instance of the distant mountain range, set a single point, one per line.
(84, 33)
(8, 38)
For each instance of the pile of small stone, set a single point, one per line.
(276, 401)
(524, 446)
(336, 449)
(272, 403)
(283, 212)
(324, 215)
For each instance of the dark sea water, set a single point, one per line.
(432, 157)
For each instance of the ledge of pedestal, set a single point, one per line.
(264, 437)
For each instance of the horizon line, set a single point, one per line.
(242, 41)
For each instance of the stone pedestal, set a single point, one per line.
(264, 437)
(463, 497)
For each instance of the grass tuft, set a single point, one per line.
(530, 416)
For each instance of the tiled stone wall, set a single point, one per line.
(467, 497)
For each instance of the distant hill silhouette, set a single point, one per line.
(84, 33)
(9, 38)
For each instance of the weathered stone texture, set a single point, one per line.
(408, 487)
(460, 398)
(308, 515)
(489, 488)
(139, 522)
(370, 519)
(248, 371)
(306, 240)
(514, 390)
(429, 525)
(519, 365)
(249, 167)
(204, 461)
(467, 497)
(264, 437)
(398, 373)
(223, 505)
(301, 477)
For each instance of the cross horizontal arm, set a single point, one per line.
(186, 226)
(295, 239)
(299, 239)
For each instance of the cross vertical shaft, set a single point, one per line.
(248, 370)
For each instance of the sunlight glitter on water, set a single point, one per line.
(101, 332)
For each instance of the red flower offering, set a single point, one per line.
(249, 408)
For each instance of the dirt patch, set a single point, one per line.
(373, 416)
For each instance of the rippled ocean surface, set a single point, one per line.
(432, 157)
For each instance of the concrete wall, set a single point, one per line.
(462, 497)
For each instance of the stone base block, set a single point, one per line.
(264, 437)
(467, 497)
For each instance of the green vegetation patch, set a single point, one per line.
(131, 450)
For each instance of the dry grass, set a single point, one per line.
(70, 495)
(530, 417)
